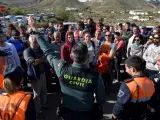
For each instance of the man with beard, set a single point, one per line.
(150, 56)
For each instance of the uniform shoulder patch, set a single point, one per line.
(59, 64)
(120, 93)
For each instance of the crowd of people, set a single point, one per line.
(82, 61)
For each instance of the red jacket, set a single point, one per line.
(66, 51)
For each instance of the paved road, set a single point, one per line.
(54, 100)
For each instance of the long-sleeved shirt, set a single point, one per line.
(73, 98)
(130, 42)
(150, 56)
(12, 57)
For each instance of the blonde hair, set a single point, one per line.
(9, 86)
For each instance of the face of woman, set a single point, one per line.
(87, 37)
(70, 38)
(137, 40)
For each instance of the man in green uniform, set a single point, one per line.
(78, 82)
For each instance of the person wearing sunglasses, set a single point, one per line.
(149, 41)
(109, 48)
(137, 46)
(150, 56)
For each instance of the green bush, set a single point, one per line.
(65, 15)
(17, 11)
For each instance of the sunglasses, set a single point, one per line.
(156, 37)
(107, 35)
(137, 39)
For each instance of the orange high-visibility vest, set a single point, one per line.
(145, 89)
(1, 76)
(8, 103)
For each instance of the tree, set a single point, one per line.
(65, 15)
(17, 11)
(62, 14)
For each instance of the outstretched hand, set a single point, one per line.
(31, 23)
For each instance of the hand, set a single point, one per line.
(149, 42)
(31, 23)
(114, 117)
(37, 61)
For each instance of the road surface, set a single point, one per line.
(54, 100)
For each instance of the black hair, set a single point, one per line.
(15, 33)
(81, 24)
(128, 23)
(60, 23)
(120, 24)
(79, 52)
(140, 37)
(117, 33)
(107, 27)
(133, 25)
(136, 62)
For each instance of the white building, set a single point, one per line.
(71, 9)
(95, 0)
(138, 12)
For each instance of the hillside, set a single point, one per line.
(39, 4)
(119, 5)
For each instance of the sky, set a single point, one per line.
(82, 0)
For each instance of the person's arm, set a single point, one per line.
(63, 53)
(100, 93)
(113, 51)
(130, 51)
(15, 54)
(30, 112)
(120, 45)
(148, 57)
(123, 97)
(53, 60)
(28, 57)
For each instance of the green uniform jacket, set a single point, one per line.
(78, 83)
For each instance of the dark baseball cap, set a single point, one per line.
(13, 71)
